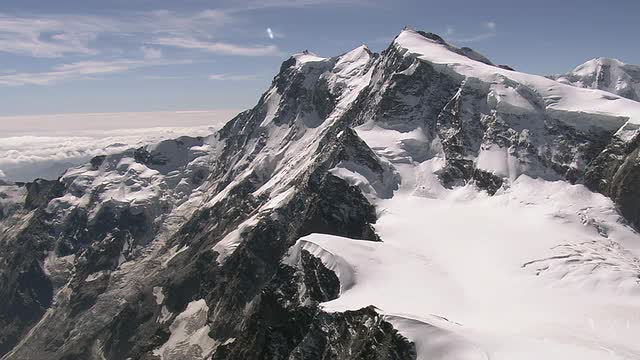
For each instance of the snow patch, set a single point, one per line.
(498, 161)
(232, 240)
(95, 276)
(173, 252)
(189, 334)
(381, 185)
(158, 295)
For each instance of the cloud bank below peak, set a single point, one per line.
(44, 146)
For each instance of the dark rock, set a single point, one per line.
(487, 181)
(97, 161)
(431, 36)
(359, 334)
(40, 192)
(26, 291)
(615, 172)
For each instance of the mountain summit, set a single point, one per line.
(606, 74)
(420, 203)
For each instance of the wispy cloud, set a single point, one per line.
(81, 70)
(267, 4)
(51, 36)
(218, 47)
(54, 36)
(97, 67)
(151, 53)
(230, 77)
(163, 77)
(489, 30)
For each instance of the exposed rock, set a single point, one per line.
(615, 172)
(40, 192)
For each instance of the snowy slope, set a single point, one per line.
(606, 74)
(516, 276)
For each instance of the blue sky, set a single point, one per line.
(71, 56)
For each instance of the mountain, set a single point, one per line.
(606, 74)
(420, 203)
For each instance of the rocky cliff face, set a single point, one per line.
(181, 250)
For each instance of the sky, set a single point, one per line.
(85, 56)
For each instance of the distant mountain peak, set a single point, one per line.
(607, 74)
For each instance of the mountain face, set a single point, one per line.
(421, 203)
(606, 74)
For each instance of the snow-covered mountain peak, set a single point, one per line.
(576, 107)
(359, 54)
(606, 74)
(591, 66)
(307, 56)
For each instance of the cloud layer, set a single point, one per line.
(230, 77)
(46, 153)
(217, 47)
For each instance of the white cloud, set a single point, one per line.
(58, 141)
(163, 77)
(218, 47)
(224, 77)
(151, 53)
(490, 30)
(2, 174)
(92, 67)
(81, 70)
(270, 33)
